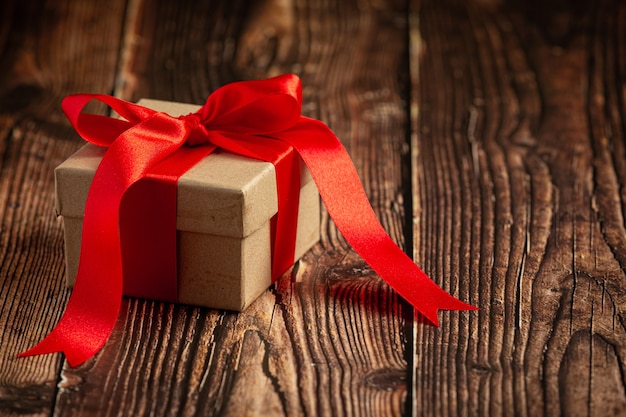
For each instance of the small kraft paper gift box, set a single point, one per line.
(225, 206)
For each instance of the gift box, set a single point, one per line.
(225, 206)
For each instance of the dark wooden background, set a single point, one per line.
(489, 137)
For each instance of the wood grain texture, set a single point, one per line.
(48, 49)
(519, 172)
(327, 339)
(516, 153)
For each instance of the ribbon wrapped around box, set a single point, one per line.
(224, 208)
(148, 151)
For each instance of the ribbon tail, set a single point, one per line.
(79, 339)
(96, 299)
(348, 206)
(407, 279)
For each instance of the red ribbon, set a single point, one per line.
(256, 119)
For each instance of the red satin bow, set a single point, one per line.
(243, 118)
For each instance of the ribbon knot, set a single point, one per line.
(148, 143)
(198, 132)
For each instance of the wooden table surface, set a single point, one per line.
(490, 139)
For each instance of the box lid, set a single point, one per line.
(224, 194)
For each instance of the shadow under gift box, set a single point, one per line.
(224, 207)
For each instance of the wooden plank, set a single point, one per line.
(329, 338)
(48, 50)
(519, 167)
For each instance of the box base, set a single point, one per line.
(219, 271)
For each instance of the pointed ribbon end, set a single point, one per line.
(448, 302)
(75, 356)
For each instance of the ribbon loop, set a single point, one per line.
(249, 118)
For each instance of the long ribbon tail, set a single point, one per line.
(95, 301)
(348, 206)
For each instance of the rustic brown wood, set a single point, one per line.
(515, 151)
(519, 167)
(47, 51)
